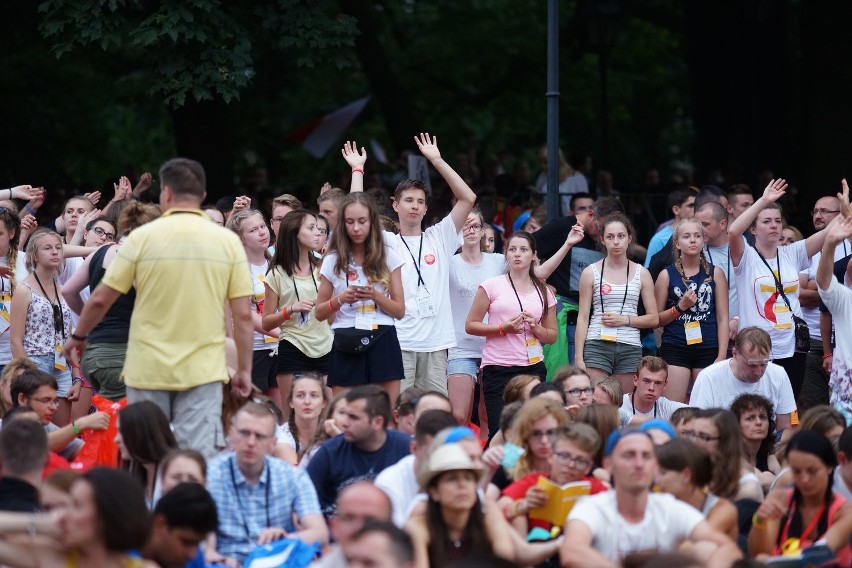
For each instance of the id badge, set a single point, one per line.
(425, 308)
(270, 339)
(59, 362)
(783, 317)
(304, 318)
(535, 352)
(5, 317)
(365, 317)
(608, 333)
(693, 332)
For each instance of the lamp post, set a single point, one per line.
(602, 19)
(554, 210)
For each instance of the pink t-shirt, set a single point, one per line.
(511, 349)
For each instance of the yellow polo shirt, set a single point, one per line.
(184, 268)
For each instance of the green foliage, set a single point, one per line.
(198, 48)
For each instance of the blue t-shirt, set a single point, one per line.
(703, 312)
(339, 463)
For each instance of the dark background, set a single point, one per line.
(711, 90)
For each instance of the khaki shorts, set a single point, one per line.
(425, 370)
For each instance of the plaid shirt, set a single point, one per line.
(246, 510)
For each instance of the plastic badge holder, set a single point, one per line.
(511, 455)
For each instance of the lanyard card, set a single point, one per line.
(608, 333)
(783, 317)
(5, 317)
(59, 362)
(365, 317)
(425, 307)
(692, 329)
(535, 352)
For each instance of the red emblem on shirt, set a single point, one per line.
(606, 289)
(430, 259)
(352, 276)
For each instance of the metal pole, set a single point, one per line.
(554, 210)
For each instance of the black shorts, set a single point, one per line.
(380, 363)
(263, 368)
(292, 361)
(688, 357)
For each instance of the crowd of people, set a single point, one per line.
(363, 384)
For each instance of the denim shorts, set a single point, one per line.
(468, 366)
(63, 378)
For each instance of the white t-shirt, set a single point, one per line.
(399, 482)
(258, 274)
(663, 408)
(717, 387)
(283, 435)
(758, 296)
(439, 244)
(721, 257)
(838, 299)
(811, 315)
(667, 522)
(345, 316)
(464, 280)
(6, 304)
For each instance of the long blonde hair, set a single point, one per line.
(375, 259)
(678, 263)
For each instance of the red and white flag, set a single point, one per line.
(318, 136)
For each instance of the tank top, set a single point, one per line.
(40, 335)
(808, 535)
(115, 325)
(617, 298)
(703, 312)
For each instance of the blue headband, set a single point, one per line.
(659, 424)
(458, 434)
(617, 435)
(519, 222)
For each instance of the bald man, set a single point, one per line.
(356, 504)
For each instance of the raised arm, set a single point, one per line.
(839, 230)
(72, 288)
(547, 267)
(771, 194)
(465, 198)
(356, 161)
(721, 299)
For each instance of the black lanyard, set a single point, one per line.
(239, 501)
(57, 308)
(600, 287)
(515, 290)
(727, 269)
(302, 315)
(778, 285)
(633, 406)
(418, 260)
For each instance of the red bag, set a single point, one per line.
(100, 449)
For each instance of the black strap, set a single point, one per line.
(777, 279)
(57, 307)
(417, 260)
(626, 285)
(239, 501)
(712, 265)
(302, 315)
(509, 276)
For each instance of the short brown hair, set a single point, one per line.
(287, 199)
(334, 194)
(755, 338)
(409, 184)
(583, 435)
(184, 177)
(514, 390)
(653, 364)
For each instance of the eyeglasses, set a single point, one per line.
(816, 212)
(542, 433)
(755, 363)
(577, 392)
(323, 231)
(247, 434)
(101, 233)
(474, 228)
(701, 436)
(54, 402)
(572, 461)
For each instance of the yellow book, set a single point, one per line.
(560, 500)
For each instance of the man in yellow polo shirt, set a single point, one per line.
(185, 269)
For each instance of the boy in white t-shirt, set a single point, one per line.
(647, 398)
(605, 528)
(426, 331)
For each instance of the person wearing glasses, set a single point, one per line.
(767, 277)
(259, 499)
(573, 454)
(749, 370)
(577, 386)
(647, 398)
(42, 321)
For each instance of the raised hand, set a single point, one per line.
(352, 156)
(94, 197)
(843, 196)
(428, 146)
(775, 190)
(240, 203)
(28, 224)
(122, 189)
(38, 200)
(325, 187)
(839, 229)
(144, 183)
(576, 234)
(27, 192)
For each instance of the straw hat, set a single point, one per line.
(449, 457)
